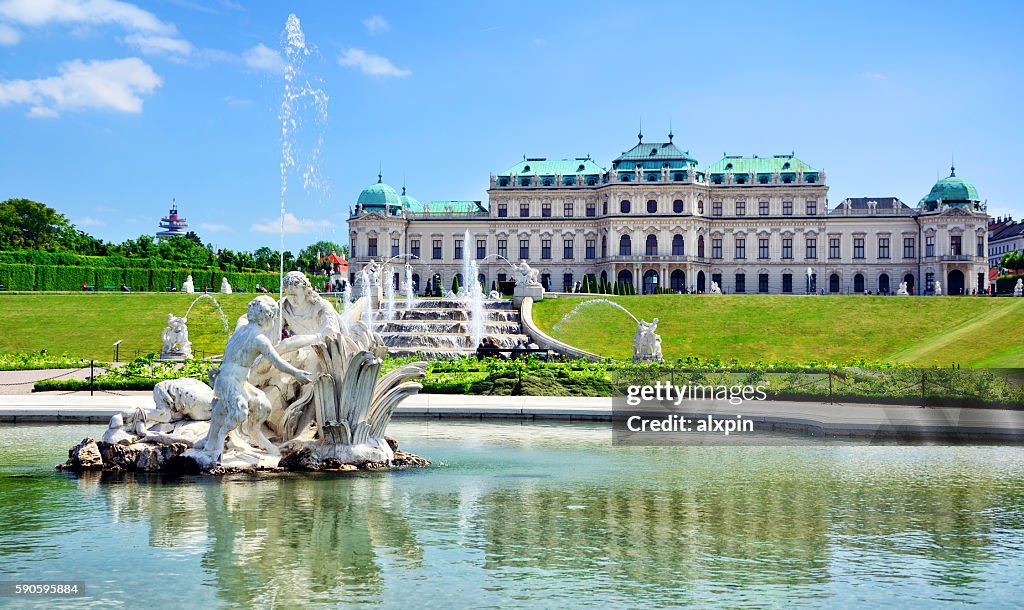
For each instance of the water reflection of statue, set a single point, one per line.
(236, 401)
(646, 343)
(175, 338)
(187, 286)
(525, 275)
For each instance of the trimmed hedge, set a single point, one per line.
(1005, 284)
(20, 276)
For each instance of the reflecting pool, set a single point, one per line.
(528, 515)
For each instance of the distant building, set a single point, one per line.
(655, 219)
(172, 225)
(1004, 236)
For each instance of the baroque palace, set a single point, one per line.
(655, 219)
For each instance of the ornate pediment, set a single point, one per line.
(955, 212)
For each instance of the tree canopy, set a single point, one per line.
(30, 225)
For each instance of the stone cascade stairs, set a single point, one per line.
(440, 328)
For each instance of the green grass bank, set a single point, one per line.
(972, 331)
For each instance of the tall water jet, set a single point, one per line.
(646, 343)
(364, 283)
(410, 291)
(223, 316)
(389, 292)
(475, 298)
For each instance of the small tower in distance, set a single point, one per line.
(172, 225)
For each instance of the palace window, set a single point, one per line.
(651, 247)
(812, 247)
(787, 283)
(716, 248)
(741, 247)
(678, 245)
(787, 208)
(458, 249)
(503, 248)
(567, 282)
(954, 245)
(652, 206)
(716, 208)
(371, 250)
(812, 208)
(624, 206)
(787, 247)
(524, 210)
(741, 283)
(604, 246)
(481, 248)
(700, 207)
(929, 245)
(567, 245)
(414, 248)
(436, 253)
(591, 250)
(545, 249)
(545, 210)
(741, 208)
(700, 246)
(394, 247)
(604, 208)
(883, 247)
(762, 208)
(908, 247)
(625, 246)
(502, 210)
(858, 247)
(762, 248)
(591, 210)
(524, 249)
(677, 206)
(762, 283)
(833, 247)
(981, 250)
(567, 210)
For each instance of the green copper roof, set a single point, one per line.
(409, 202)
(657, 153)
(379, 195)
(779, 164)
(453, 207)
(545, 167)
(952, 190)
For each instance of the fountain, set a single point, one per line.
(223, 316)
(175, 338)
(410, 290)
(646, 343)
(389, 292)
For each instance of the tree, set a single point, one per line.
(1012, 260)
(265, 259)
(191, 235)
(309, 255)
(455, 284)
(30, 225)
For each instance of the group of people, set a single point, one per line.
(489, 348)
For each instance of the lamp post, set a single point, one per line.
(117, 350)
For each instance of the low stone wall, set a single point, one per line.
(544, 340)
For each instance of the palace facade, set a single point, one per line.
(655, 219)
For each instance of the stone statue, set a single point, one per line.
(494, 295)
(646, 343)
(176, 402)
(902, 290)
(187, 285)
(235, 400)
(715, 289)
(525, 275)
(225, 287)
(938, 288)
(1018, 289)
(175, 338)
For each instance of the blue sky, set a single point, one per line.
(110, 109)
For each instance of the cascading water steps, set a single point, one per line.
(443, 327)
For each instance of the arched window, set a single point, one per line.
(624, 206)
(604, 208)
(604, 277)
(625, 246)
(678, 248)
(700, 245)
(651, 281)
(625, 277)
(651, 247)
(700, 207)
(883, 284)
(415, 282)
(858, 283)
(677, 281)
(833, 283)
(652, 206)
(677, 206)
(604, 246)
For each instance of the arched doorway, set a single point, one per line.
(604, 278)
(955, 282)
(677, 281)
(700, 280)
(625, 277)
(482, 279)
(833, 283)
(909, 279)
(651, 281)
(415, 282)
(883, 284)
(858, 283)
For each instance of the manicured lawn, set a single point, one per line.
(970, 331)
(87, 324)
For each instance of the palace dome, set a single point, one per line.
(379, 195)
(951, 191)
(410, 203)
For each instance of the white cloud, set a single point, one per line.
(376, 24)
(160, 45)
(212, 227)
(262, 57)
(83, 12)
(371, 64)
(237, 101)
(86, 221)
(292, 224)
(116, 84)
(9, 36)
(874, 76)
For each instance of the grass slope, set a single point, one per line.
(970, 331)
(87, 324)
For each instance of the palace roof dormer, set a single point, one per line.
(780, 169)
(542, 172)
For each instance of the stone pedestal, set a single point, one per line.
(535, 292)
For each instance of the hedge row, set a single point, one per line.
(47, 277)
(70, 259)
(1007, 282)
